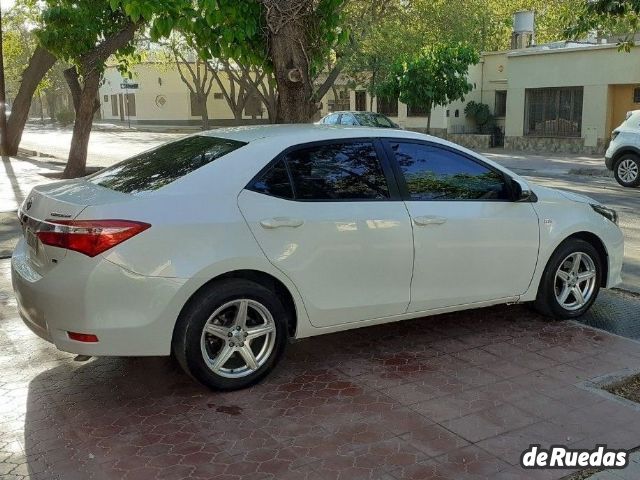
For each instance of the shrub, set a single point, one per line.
(65, 117)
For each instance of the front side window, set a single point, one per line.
(341, 171)
(433, 173)
(158, 167)
(348, 119)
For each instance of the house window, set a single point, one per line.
(448, 113)
(500, 106)
(340, 102)
(414, 111)
(456, 113)
(130, 104)
(553, 112)
(195, 107)
(388, 106)
(106, 99)
(218, 96)
(361, 100)
(114, 105)
(636, 95)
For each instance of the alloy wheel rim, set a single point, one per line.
(628, 171)
(575, 281)
(238, 338)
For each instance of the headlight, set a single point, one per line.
(609, 213)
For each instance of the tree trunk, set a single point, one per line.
(39, 64)
(86, 105)
(290, 62)
(204, 114)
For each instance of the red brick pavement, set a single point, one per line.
(456, 396)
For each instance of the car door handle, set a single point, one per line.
(429, 220)
(277, 222)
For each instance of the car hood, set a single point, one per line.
(554, 194)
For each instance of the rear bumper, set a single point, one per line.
(131, 315)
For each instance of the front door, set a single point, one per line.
(472, 242)
(325, 215)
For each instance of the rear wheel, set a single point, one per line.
(571, 280)
(627, 170)
(231, 335)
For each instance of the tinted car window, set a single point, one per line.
(331, 119)
(337, 172)
(433, 173)
(374, 120)
(274, 182)
(348, 119)
(163, 165)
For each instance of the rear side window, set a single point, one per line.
(275, 182)
(163, 165)
(330, 172)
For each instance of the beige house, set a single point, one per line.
(563, 97)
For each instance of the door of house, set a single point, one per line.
(121, 103)
(361, 100)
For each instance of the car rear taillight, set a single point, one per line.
(90, 237)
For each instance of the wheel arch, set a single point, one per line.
(599, 245)
(628, 149)
(260, 277)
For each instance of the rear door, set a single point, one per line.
(472, 242)
(328, 215)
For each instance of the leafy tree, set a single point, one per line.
(22, 82)
(291, 38)
(436, 76)
(193, 71)
(607, 17)
(85, 33)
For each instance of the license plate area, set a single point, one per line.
(32, 240)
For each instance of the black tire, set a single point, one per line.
(622, 164)
(546, 301)
(186, 345)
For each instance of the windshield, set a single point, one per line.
(165, 164)
(374, 120)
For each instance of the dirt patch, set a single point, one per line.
(628, 388)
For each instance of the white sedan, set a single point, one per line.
(222, 246)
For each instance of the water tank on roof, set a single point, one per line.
(523, 21)
(523, 34)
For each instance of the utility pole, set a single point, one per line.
(3, 99)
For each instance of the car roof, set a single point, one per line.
(301, 133)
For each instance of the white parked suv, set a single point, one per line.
(222, 246)
(623, 154)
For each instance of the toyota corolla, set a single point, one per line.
(222, 246)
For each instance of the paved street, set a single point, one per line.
(450, 397)
(457, 396)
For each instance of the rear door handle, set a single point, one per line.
(429, 220)
(277, 222)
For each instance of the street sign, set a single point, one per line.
(129, 86)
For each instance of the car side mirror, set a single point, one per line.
(521, 192)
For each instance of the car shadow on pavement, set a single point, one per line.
(445, 396)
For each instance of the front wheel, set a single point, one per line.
(627, 171)
(231, 335)
(571, 281)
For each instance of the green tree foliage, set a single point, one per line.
(480, 114)
(85, 33)
(607, 17)
(436, 75)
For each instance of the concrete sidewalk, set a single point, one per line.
(548, 164)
